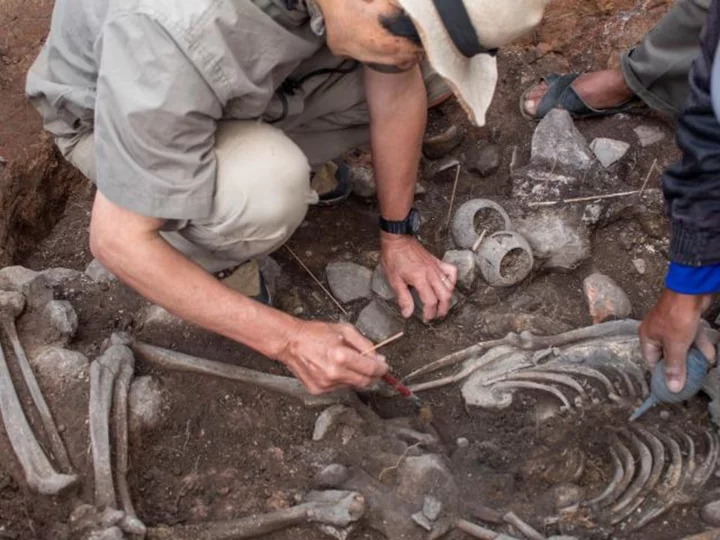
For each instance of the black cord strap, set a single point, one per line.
(457, 22)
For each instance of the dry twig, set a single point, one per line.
(452, 197)
(647, 178)
(328, 293)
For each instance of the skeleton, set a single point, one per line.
(284, 385)
(39, 472)
(110, 375)
(335, 508)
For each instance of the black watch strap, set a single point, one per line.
(408, 226)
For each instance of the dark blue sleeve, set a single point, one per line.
(693, 279)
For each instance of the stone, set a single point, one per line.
(331, 477)
(418, 306)
(380, 284)
(559, 238)
(649, 135)
(98, 273)
(363, 181)
(33, 285)
(422, 521)
(488, 161)
(333, 417)
(12, 303)
(61, 323)
(55, 365)
(378, 322)
(557, 142)
(437, 146)
(272, 272)
(710, 513)
(605, 298)
(158, 318)
(146, 403)
(348, 281)
(564, 495)
(15, 278)
(433, 168)
(462, 442)
(432, 507)
(608, 151)
(464, 261)
(58, 276)
(424, 475)
(640, 265)
(113, 533)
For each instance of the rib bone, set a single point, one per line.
(612, 486)
(538, 375)
(285, 385)
(39, 473)
(585, 371)
(7, 319)
(509, 386)
(336, 508)
(130, 522)
(705, 471)
(636, 487)
(628, 472)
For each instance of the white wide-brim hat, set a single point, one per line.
(461, 37)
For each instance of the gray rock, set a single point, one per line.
(363, 181)
(56, 365)
(425, 475)
(272, 272)
(14, 278)
(158, 318)
(557, 142)
(464, 261)
(62, 323)
(640, 265)
(437, 146)
(558, 236)
(608, 151)
(380, 284)
(348, 281)
(710, 513)
(606, 300)
(33, 285)
(462, 442)
(377, 321)
(333, 417)
(146, 402)
(488, 161)
(58, 276)
(113, 533)
(12, 303)
(98, 273)
(332, 476)
(422, 521)
(432, 507)
(649, 135)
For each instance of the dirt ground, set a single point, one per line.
(227, 450)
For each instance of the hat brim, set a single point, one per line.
(473, 80)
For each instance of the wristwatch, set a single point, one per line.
(410, 225)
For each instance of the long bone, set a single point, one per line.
(336, 508)
(584, 371)
(637, 485)
(103, 373)
(527, 385)
(39, 473)
(529, 341)
(130, 522)
(284, 385)
(11, 305)
(658, 465)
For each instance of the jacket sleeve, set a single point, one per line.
(692, 185)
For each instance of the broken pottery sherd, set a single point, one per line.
(437, 146)
(608, 151)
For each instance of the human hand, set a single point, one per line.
(327, 356)
(407, 263)
(670, 329)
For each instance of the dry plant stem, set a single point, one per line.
(130, 523)
(328, 293)
(103, 373)
(647, 178)
(452, 197)
(585, 199)
(284, 385)
(39, 473)
(51, 430)
(528, 341)
(383, 343)
(476, 531)
(526, 530)
(387, 470)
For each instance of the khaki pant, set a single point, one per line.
(262, 187)
(657, 69)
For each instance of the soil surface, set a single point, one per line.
(227, 450)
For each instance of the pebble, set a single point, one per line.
(605, 298)
(422, 521)
(113, 533)
(608, 151)
(488, 161)
(649, 135)
(380, 284)
(62, 322)
(98, 273)
(363, 181)
(57, 276)
(664, 415)
(378, 322)
(640, 265)
(557, 142)
(331, 477)
(432, 507)
(464, 261)
(710, 513)
(55, 365)
(437, 146)
(348, 281)
(145, 403)
(462, 442)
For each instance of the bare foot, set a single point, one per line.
(599, 89)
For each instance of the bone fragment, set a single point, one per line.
(526, 530)
(528, 341)
(39, 473)
(8, 311)
(629, 387)
(103, 373)
(539, 375)
(628, 468)
(476, 531)
(284, 385)
(705, 471)
(637, 486)
(513, 385)
(612, 486)
(336, 508)
(584, 371)
(130, 522)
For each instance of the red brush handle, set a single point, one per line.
(403, 390)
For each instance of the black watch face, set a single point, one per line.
(414, 221)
